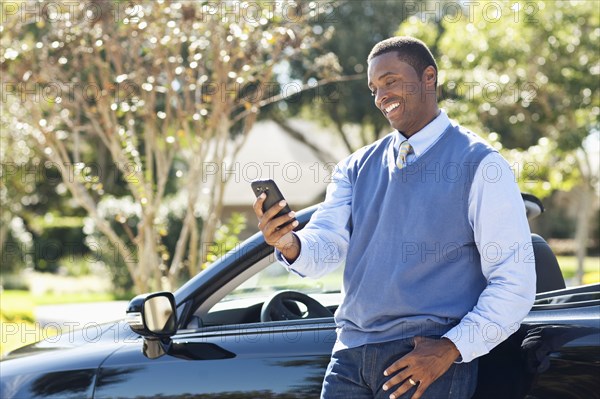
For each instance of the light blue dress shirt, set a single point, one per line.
(508, 268)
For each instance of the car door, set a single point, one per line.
(230, 354)
(286, 360)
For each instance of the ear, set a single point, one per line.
(429, 76)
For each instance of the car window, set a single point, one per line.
(243, 302)
(275, 278)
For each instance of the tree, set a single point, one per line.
(525, 74)
(15, 190)
(348, 108)
(167, 90)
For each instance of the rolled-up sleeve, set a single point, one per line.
(497, 215)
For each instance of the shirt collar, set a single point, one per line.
(426, 137)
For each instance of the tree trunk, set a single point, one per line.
(583, 229)
(340, 129)
(3, 236)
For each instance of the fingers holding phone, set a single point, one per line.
(276, 219)
(273, 222)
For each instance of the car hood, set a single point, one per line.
(62, 365)
(92, 334)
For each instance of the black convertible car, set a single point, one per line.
(245, 328)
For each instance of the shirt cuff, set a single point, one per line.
(290, 266)
(469, 347)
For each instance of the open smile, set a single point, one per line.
(390, 108)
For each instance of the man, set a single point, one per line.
(436, 245)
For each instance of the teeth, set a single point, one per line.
(391, 107)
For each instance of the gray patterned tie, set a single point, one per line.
(405, 149)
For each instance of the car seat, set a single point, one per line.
(547, 270)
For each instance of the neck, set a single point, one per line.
(426, 121)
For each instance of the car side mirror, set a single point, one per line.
(153, 315)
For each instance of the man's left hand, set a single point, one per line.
(429, 360)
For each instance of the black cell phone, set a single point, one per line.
(273, 196)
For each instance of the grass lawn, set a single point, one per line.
(17, 322)
(591, 267)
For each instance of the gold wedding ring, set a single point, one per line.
(411, 381)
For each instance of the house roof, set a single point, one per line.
(271, 153)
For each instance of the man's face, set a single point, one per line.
(399, 93)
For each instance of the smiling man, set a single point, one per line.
(430, 225)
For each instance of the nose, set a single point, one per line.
(380, 96)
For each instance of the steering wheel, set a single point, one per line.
(282, 306)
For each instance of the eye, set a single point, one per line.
(390, 82)
(372, 89)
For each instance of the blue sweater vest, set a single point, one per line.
(412, 266)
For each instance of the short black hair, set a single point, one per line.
(409, 49)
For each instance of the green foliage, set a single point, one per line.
(543, 168)
(226, 237)
(145, 95)
(43, 243)
(556, 225)
(57, 241)
(17, 248)
(123, 214)
(76, 265)
(30, 188)
(356, 26)
(529, 76)
(13, 281)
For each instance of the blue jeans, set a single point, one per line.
(357, 373)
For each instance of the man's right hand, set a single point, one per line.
(279, 237)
